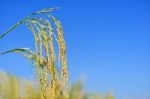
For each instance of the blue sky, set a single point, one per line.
(108, 42)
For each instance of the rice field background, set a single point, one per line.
(74, 49)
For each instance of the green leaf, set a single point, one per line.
(45, 11)
(18, 50)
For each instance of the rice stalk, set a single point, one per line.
(62, 52)
(44, 57)
(50, 57)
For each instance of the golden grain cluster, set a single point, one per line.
(53, 81)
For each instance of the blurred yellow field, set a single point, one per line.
(12, 87)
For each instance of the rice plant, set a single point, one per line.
(53, 81)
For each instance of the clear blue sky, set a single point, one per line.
(108, 42)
